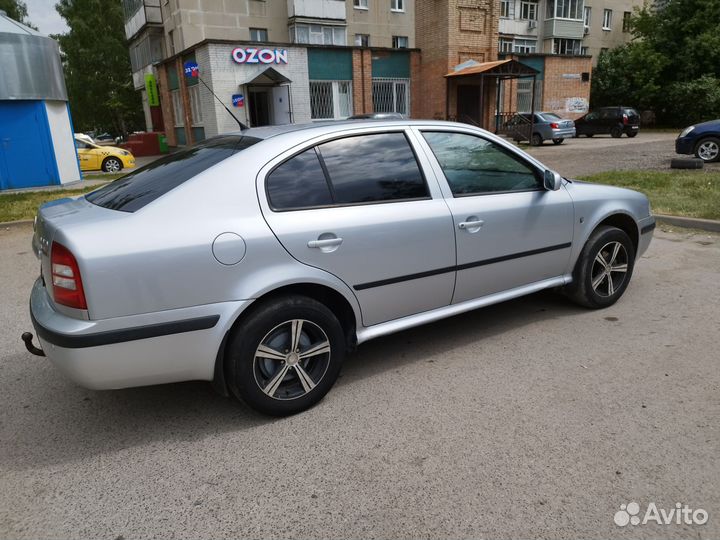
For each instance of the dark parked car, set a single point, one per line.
(546, 125)
(703, 140)
(612, 120)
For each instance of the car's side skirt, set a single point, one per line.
(389, 327)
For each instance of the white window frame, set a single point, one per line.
(567, 41)
(607, 19)
(528, 10)
(506, 9)
(341, 94)
(317, 34)
(398, 86)
(255, 38)
(360, 4)
(359, 40)
(587, 16)
(505, 45)
(178, 112)
(195, 105)
(397, 6)
(570, 10)
(525, 46)
(396, 42)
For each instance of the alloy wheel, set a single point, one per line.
(291, 359)
(112, 165)
(708, 150)
(609, 269)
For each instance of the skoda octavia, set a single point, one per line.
(257, 260)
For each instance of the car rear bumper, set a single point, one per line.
(151, 348)
(564, 133)
(684, 146)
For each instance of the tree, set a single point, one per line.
(16, 10)
(672, 66)
(97, 67)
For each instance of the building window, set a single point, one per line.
(607, 19)
(626, 21)
(505, 45)
(195, 107)
(528, 11)
(178, 113)
(505, 8)
(400, 42)
(565, 9)
(317, 34)
(566, 46)
(587, 13)
(397, 5)
(258, 34)
(585, 51)
(360, 4)
(525, 46)
(362, 40)
(330, 99)
(391, 95)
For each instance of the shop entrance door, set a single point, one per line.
(260, 106)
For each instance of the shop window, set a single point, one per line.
(607, 19)
(258, 34)
(397, 5)
(528, 11)
(178, 112)
(330, 99)
(195, 105)
(391, 95)
(362, 40)
(400, 42)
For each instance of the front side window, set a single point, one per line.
(141, 187)
(372, 168)
(475, 166)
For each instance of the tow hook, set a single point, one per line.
(27, 337)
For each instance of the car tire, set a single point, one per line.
(631, 134)
(708, 149)
(592, 286)
(616, 132)
(558, 141)
(112, 165)
(536, 139)
(686, 163)
(265, 370)
(588, 135)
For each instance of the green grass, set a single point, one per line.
(676, 193)
(17, 206)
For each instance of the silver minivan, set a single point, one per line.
(257, 260)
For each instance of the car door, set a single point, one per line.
(360, 207)
(86, 155)
(510, 231)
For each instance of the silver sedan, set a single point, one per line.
(257, 260)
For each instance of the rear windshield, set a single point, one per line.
(141, 187)
(550, 116)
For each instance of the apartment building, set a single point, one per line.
(565, 27)
(268, 61)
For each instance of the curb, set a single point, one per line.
(690, 223)
(18, 223)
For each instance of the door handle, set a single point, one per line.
(474, 224)
(325, 243)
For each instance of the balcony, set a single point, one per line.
(519, 27)
(317, 9)
(140, 13)
(563, 28)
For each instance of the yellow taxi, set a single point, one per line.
(95, 157)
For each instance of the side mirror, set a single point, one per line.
(552, 180)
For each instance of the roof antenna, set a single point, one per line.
(192, 71)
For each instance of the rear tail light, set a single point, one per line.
(555, 125)
(625, 119)
(66, 282)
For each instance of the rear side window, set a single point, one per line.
(372, 168)
(141, 187)
(352, 170)
(299, 183)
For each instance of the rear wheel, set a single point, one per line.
(558, 141)
(112, 165)
(286, 356)
(708, 149)
(603, 269)
(536, 139)
(631, 134)
(616, 132)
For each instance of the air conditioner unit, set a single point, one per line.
(532, 25)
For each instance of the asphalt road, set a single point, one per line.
(532, 419)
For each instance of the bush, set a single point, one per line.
(691, 102)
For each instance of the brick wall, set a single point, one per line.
(362, 81)
(562, 83)
(166, 105)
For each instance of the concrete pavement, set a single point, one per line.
(532, 419)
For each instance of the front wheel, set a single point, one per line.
(708, 149)
(286, 356)
(558, 141)
(112, 165)
(603, 269)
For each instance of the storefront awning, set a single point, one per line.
(502, 68)
(267, 76)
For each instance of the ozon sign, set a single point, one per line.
(251, 55)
